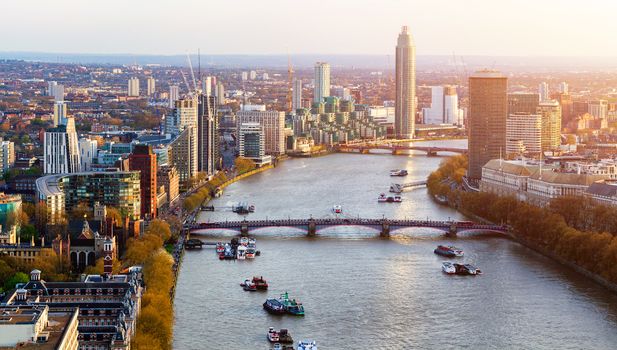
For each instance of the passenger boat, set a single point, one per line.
(292, 306)
(228, 253)
(260, 283)
(448, 251)
(241, 252)
(250, 253)
(244, 241)
(220, 248)
(273, 336)
(252, 241)
(398, 172)
(248, 286)
(274, 306)
(307, 345)
(460, 269)
(337, 209)
(389, 199)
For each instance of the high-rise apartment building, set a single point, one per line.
(245, 76)
(150, 86)
(183, 155)
(183, 115)
(598, 109)
(220, 93)
(273, 123)
(174, 95)
(563, 87)
(8, 154)
(88, 151)
(486, 121)
(133, 88)
(252, 143)
(208, 135)
(59, 113)
(167, 176)
(61, 149)
(51, 88)
(405, 103)
(522, 102)
(142, 159)
(543, 91)
(322, 82)
(296, 96)
(206, 85)
(550, 111)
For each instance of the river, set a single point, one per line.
(363, 292)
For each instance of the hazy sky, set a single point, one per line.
(467, 27)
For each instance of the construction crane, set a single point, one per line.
(188, 57)
(289, 84)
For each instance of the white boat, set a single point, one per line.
(389, 199)
(307, 345)
(252, 240)
(448, 268)
(250, 253)
(244, 241)
(398, 172)
(337, 209)
(277, 346)
(241, 252)
(273, 336)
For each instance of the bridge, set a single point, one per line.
(395, 149)
(312, 225)
(398, 188)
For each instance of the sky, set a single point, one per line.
(439, 27)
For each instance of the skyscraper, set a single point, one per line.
(488, 107)
(551, 124)
(143, 159)
(208, 136)
(174, 95)
(296, 97)
(151, 86)
(133, 88)
(521, 102)
(184, 114)
(51, 88)
(61, 149)
(206, 85)
(543, 91)
(220, 93)
(59, 92)
(563, 87)
(59, 113)
(405, 104)
(322, 81)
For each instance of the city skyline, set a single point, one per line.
(255, 28)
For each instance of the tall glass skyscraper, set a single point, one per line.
(322, 81)
(405, 108)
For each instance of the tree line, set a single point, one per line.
(576, 229)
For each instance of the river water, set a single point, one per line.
(363, 292)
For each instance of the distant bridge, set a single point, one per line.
(398, 188)
(395, 149)
(312, 226)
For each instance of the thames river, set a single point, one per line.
(363, 292)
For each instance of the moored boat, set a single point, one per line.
(448, 251)
(307, 345)
(389, 199)
(292, 306)
(241, 252)
(220, 248)
(398, 172)
(274, 306)
(250, 253)
(260, 283)
(337, 209)
(273, 336)
(248, 286)
(460, 269)
(244, 241)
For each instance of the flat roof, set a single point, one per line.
(48, 185)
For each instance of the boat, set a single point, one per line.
(248, 286)
(252, 241)
(292, 306)
(274, 306)
(460, 269)
(448, 251)
(273, 336)
(285, 337)
(228, 253)
(398, 172)
(250, 253)
(307, 345)
(241, 252)
(337, 209)
(389, 199)
(243, 208)
(260, 283)
(244, 241)
(220, 248)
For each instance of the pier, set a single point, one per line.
(398, 188)
(384, 225)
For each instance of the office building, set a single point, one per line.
(522, 102)
(118, 189)
(206, 85)
(245, 76)
(296, 97)
(61, 149)
(523, 134)
(322, 82)
(486, 121)
(183, 155)
(58, 93)
(551, 124)
(598, 109)
(174, 95)
(208, 135)
(51, 88)
(59, 113)
(150, 86)
(133, 88)
(444, 106)
(273, 123)
(220, 93)
(167, 176)
(7, 154)
(88, 151)
(183, 115)
(142, 159)
(252, 143)
(563, 87)
(405, 103)
(543, 91)
(253, 75)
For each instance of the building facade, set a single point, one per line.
(61, 149)
(144, 160)
(183, 155)
(252, 143)
(273, 123)
(133, 88)
(523, 134)
(296, 97)
(405, 103)
(322, 82)
(551, 124)
(150, 86)
(208, 147)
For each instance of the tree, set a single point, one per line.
(18, 277)
(81, 211)
(160, 228)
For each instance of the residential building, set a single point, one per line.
(296, 97)
(220, 93)
(183, 115)
(523, 134)
(252, 143)
(551, 124)
(406, 103)
(133, 88)
(7, 149)
(598, 109)
(58, 92)
(273, 123)
(10, 204)
(88, 151)
(543, 91)
(167, 176)
(208, 148)
(150, 86)
(322, 82)
(444, 106)
(59, 113)
(183, 155)
(144, 160)
(486, 121)
(61, 149)
(174, 95)
(563, 87)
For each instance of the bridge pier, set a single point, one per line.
(312, 228)
(244, 230)
(431, 153)
(365, 151)
(452, 231)
(396, 152)
(385, 229)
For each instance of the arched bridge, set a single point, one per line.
(385, 226)
(396, 149)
